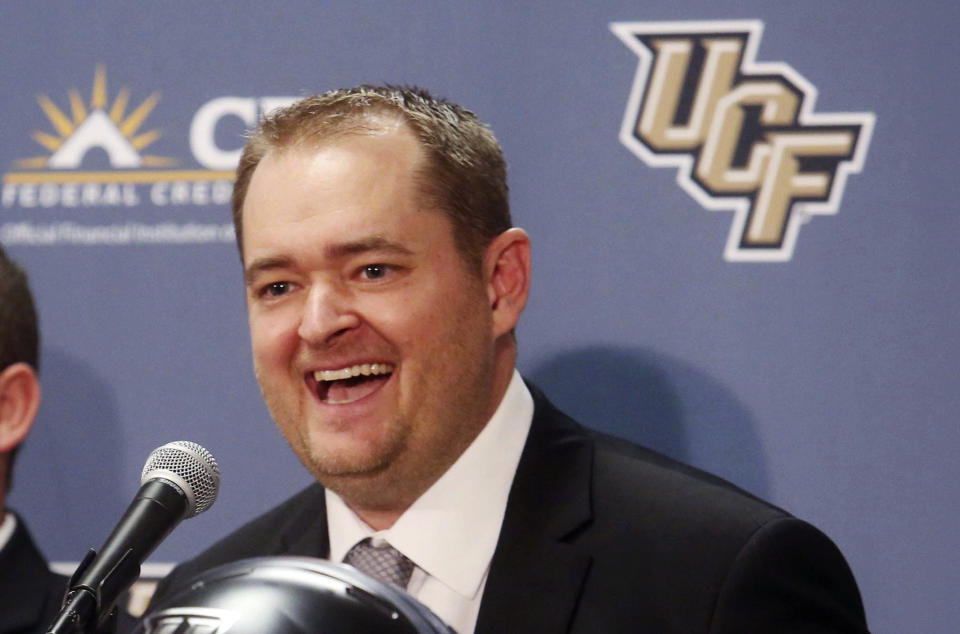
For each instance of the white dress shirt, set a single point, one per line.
(451, 531)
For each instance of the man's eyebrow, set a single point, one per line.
(264, 264)
(356, 247)
(332, 252)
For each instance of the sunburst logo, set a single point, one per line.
(117, 127)
(101, 154)
(111, 129)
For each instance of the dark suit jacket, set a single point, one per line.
(30, 593)
(603, 536)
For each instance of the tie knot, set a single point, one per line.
(385, 562)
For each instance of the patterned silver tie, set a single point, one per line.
(385, 563)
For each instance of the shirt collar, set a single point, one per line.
(7, 526)
(451, 531)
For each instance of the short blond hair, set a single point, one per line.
(464, 174)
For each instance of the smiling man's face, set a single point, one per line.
(373, 343)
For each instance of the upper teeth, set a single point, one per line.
(365, 369)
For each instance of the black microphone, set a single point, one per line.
(179, 480)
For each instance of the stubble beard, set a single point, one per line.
(347, 472)
(391, 472)
(363, 475)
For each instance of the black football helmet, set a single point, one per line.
(288, 595)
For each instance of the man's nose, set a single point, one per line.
(328, 313)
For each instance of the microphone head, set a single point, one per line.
(188, 466)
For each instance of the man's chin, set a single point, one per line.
(358, 463)
(369, 488)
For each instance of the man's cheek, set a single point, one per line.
(266, 335)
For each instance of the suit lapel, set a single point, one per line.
(536, 576)
(306, 533)
(24, 583)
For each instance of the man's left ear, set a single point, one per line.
(506, 267)
(19, 401)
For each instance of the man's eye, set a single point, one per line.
(276, 289)
(374, 271)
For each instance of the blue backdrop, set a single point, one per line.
(820, 372)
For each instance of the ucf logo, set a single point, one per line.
(742, 133)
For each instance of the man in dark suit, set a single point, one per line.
(30, 593)
(384, 281)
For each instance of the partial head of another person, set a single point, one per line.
(19, 361)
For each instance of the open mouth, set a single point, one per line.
(347, 385)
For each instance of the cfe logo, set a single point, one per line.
(113, 128)
(113, 134)
(742, 134)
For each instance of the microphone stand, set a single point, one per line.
(84, 610)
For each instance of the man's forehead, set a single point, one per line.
(271, 245)
(333, 252)
(337, 157)
(311, 140)
(350, 194)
